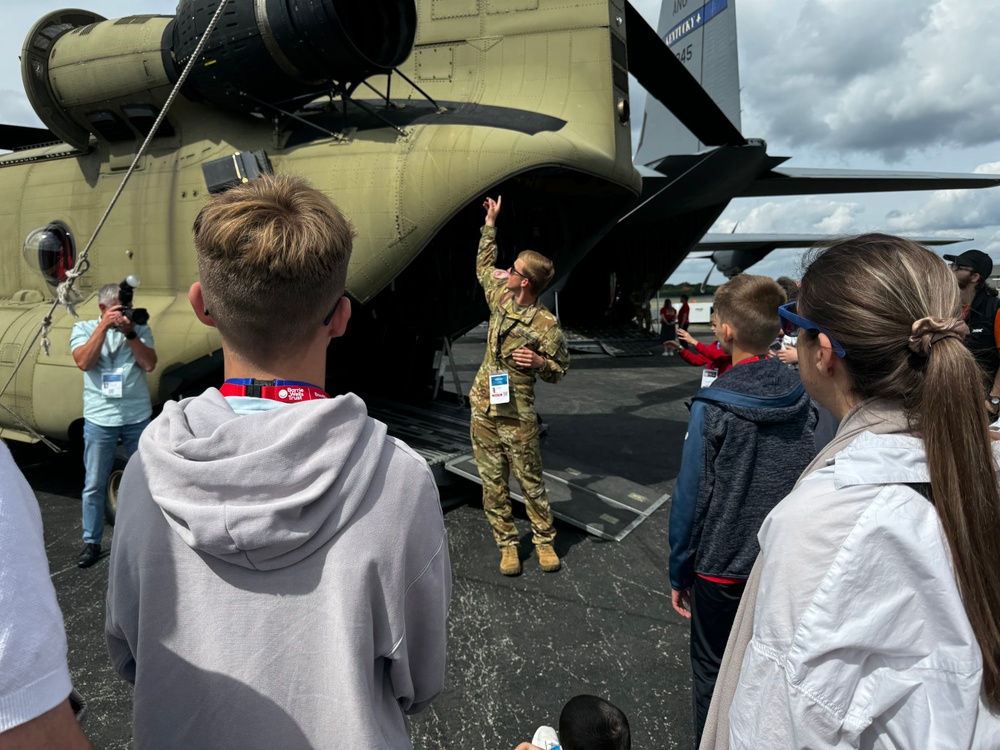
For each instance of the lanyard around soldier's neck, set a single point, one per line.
(286, 391)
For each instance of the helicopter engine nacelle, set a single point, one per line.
(87, 75)
(277, 50)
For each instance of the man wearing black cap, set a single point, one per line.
(981, 308)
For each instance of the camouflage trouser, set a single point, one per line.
(501, 444)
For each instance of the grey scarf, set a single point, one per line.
(879, 417)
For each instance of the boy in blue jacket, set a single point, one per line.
(749, 438)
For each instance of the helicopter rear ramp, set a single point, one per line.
(613, 340)
(606, 506)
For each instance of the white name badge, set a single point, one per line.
(111, 383)
(708, 377)
(499, 388)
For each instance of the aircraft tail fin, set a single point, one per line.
(702, 35)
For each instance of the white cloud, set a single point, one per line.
(952, 209)
(886, 79)
(804, 215)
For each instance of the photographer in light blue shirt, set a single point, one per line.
(115, 355)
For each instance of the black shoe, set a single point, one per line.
(91, 554)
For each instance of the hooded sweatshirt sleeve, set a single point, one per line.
(417, 659)
(121, 622)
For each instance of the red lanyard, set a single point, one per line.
(286, 391)
(756, 358)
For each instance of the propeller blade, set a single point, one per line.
(667, 80)
(707, 275)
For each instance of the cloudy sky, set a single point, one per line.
(898, 84)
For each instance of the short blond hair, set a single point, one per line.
(749, 305)
(538, 270)
(272, 257)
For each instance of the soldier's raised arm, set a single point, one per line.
(487, 244)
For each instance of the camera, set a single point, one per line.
(138, 315)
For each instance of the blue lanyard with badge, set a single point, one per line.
(500, 378)
(113, 380)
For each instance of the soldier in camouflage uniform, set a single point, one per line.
(524, 341)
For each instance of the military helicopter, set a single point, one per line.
(405, 116)
(404, 112)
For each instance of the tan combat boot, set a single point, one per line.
(547, 558)
(510, 563)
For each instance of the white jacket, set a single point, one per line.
(860, 638)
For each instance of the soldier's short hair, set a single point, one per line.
(108, 294)
(749, 304)
(537, 269)
(272, 256)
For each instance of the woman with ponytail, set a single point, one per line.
(876, 621)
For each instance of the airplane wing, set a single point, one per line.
(735, 253)
(714, 241)
(18, 136)
(794, 181)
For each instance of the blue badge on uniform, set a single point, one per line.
(499, 388)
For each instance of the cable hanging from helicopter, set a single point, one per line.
(66, 295)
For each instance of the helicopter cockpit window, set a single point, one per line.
(51, 250)
(110, 126)
(143, 116)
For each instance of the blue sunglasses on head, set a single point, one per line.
(790, 321)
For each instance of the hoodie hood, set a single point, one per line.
(264, 490)
(744, 384)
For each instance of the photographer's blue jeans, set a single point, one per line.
(100, 446)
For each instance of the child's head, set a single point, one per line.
(747, 310)
(272, 257)
(591, 723)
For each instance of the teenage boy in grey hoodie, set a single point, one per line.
(279, 573)
(749, 438)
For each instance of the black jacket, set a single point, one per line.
(981, 342)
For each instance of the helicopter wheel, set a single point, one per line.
(111, 504)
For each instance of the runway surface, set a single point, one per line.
(518, 647)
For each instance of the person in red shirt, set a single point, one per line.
(668, 327)
(710, 356)
(684, 314)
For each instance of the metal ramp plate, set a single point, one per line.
(615, 341)
(626, 348)
(438, 433)
(605, 506)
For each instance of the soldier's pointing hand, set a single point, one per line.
(492, 209)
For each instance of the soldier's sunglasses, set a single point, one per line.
(790, 322)
(516, 272)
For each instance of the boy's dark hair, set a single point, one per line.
(791, 287)
(591, 723)
(684, 298)
(750, 305)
